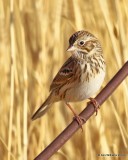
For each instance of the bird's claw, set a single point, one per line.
(95, 104)
(79, 120)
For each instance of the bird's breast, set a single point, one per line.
(86, 88)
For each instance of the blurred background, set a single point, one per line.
(33, 41)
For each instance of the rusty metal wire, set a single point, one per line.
(86, 114)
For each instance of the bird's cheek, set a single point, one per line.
(89, 47)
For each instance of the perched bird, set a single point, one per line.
(80, 77)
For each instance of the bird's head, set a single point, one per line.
(85, 43)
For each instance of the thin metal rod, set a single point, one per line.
(86, 114)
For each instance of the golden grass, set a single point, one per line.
(33, 39)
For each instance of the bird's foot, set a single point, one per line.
(79, 120)
(95, 104)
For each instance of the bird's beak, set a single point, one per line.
(71, 48)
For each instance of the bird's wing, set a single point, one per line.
(66, 74)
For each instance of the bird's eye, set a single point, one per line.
(81, 43)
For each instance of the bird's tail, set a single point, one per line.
(42, 109)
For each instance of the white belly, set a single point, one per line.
(86, 89)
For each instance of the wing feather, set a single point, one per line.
(66, 73)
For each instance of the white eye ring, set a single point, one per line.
(81, 43)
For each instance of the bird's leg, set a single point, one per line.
(78, 118)
(95, 104)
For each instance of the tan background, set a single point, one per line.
(33, 41)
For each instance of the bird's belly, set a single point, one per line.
(85, 89)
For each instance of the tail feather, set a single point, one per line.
(42, 110)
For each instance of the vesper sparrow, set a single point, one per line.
(80, 77)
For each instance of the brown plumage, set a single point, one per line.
(80, 76)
